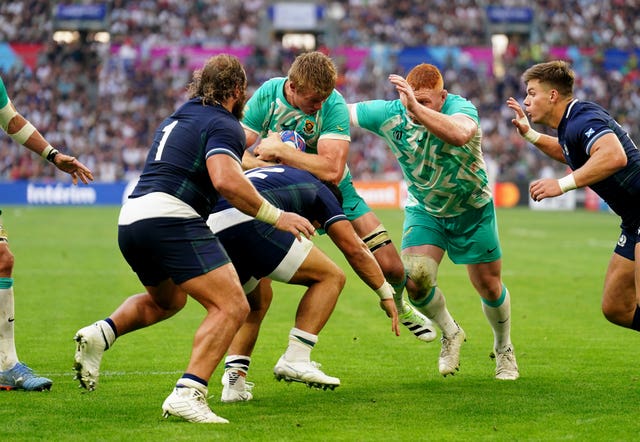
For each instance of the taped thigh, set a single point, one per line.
(379, 237)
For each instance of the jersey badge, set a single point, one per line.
(309, 127)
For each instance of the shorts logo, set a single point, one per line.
(622, 240)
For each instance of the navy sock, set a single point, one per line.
(112, 325)
(193, 377)
(635, 325)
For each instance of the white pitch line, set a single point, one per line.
(119, 373)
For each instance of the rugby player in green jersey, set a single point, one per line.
(307, 102)
(436, 137)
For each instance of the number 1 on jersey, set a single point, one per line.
(166, 131)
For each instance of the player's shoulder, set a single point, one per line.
(285, 171)
(272, 84)
(458, 101)
(336, 95)
(586, 113)
(216, 113)
(457, 104)
(586, 109)
(270, 91)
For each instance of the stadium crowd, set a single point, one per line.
(102, 106)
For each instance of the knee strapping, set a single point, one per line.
(379, 237)
(423, 271)
(6, 115)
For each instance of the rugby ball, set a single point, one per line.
(293, 139)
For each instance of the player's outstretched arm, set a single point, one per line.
(23, 132)
(365, 265)
(73, 167)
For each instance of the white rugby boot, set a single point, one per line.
(91, 343)
(506, 365)
(307, 372)
(449, 360)
(190, 404)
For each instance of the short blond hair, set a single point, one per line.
(313, 72)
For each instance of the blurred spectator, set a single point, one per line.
(101, 105)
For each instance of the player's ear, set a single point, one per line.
(292, 86)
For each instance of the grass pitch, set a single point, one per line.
(579, 374)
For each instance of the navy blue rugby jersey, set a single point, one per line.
(294, 190)
(176, 163)
(582, 124)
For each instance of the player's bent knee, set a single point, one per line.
(336, 278)
(237, 311)
(174, 307)
(422, 269)
(617, 316)
(342, 280)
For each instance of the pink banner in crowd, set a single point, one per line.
(351, 56)
(195, 56)
(480, 57)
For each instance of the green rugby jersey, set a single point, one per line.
(4, 98)
(446, 180)
(268, 111)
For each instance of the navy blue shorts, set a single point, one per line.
(258, 250)
(627, 243)
(255, 249)
(176, 248)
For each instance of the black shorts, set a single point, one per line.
(627, 243)
(176, 248)
(258, 250)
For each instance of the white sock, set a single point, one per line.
(8, 355)
(236, 368)
(498, 314)
(434, 307)
(237, 362)
(300, 345)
